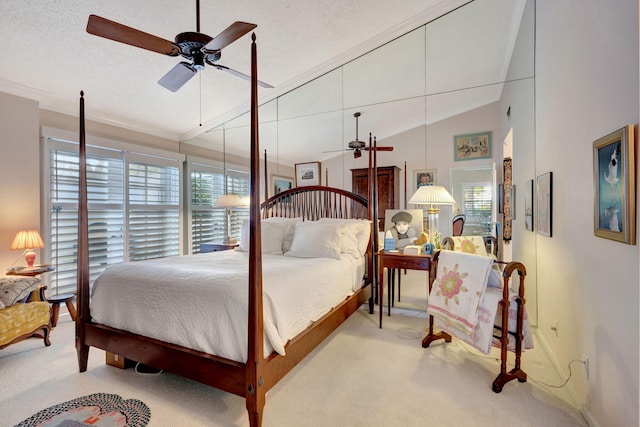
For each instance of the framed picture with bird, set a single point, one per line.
(614, 186)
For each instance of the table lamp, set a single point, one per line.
(228, 202)
(28, 240)
(432, 195)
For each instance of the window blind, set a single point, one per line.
(154, 211)
(105, 199)
(477, 204)
(133, 215)
(208, 223)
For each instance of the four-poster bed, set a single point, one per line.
(253, 377)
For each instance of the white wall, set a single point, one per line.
(587, 87)
(19, 173)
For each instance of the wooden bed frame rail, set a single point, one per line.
(255, 377)
(315, 202)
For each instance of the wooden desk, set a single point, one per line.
(398, 260)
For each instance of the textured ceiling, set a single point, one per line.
(48, 55)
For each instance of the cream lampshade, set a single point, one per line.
(228, 202)
(432, 195)
(28, 240)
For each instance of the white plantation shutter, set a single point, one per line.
(208, 224)
(477, 204)
(238, 183)
(154, 210)
(144, 224)
(105, 197)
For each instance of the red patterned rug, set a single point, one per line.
(97, 410)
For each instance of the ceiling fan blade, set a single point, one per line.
(379, 148)
(178, 76)
(239, 74)
(337, 151)
(112, 30)
(228, 36)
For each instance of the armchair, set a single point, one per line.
(24, 310)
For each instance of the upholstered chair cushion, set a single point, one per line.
(14, 289)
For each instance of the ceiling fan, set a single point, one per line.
(198, 48)
(357, 146)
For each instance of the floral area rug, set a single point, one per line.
(97, 410)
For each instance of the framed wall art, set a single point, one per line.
(308, 174)
(614, 173)
(422, 177)
(544, 203)
(280, 184)
(472, 146)
(528, 205)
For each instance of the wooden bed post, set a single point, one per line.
(255, 390)
(83, 315)
(266, 177)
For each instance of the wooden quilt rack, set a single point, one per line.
(504, 376)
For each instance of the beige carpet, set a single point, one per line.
(360, 376)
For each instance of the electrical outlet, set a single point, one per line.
(585, 360)
(554, 327)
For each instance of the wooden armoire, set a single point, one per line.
(388, 188)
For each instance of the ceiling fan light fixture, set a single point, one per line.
(198, 61)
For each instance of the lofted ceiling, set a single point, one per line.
(50, 57)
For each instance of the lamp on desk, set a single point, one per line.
(432, 195)
(28, 240)
(228, 202)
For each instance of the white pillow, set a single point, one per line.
(272, 237)
(313, 239)
(359, 228)
(288, 234)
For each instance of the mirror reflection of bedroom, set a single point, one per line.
(419, 115)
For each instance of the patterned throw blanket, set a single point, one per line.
(463, 306)
(460, 284)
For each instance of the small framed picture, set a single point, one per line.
(544, 203)
(528, 205)
(280, 184)
(614, 173)
(422, 177)
(308, 174)
(472, 146)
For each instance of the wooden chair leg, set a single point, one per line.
(55, 311)
(71, 308)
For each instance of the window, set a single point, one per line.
(207, 184)
(144, 224)
(154, 211)
(477, 206)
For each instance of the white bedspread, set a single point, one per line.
(200, 301)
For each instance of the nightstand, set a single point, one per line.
(216, 246)
(36, 270)
(397, 260)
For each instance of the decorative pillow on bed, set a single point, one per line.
(272, 237)
(360, 229)
(14, 289)
(313, 239)
(288, 234)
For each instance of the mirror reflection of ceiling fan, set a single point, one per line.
(357, 146)
(198, 48)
